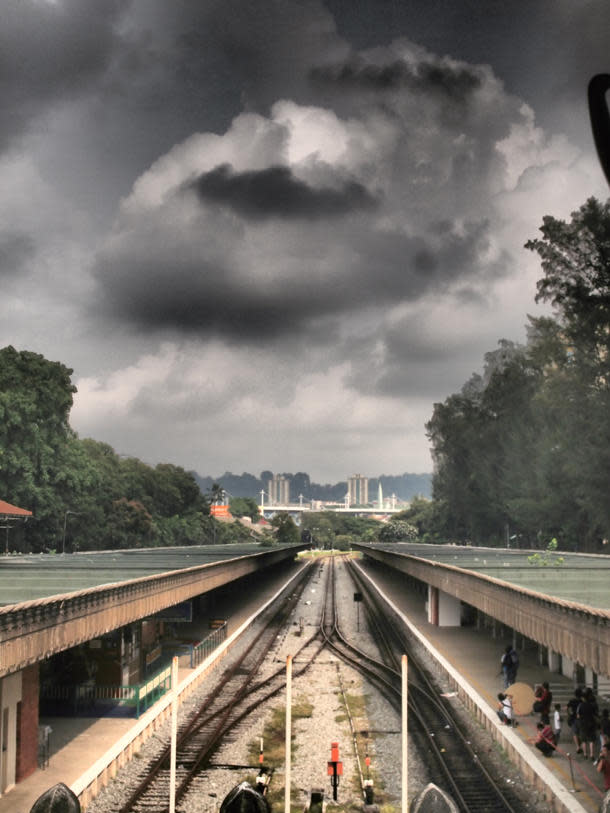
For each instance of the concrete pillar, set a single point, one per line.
(10, 697)
(443, 610)
(432, 605)
(27, 734)
(554, 661)
(567, 667)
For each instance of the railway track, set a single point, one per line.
(250, 682)
(237, 694)
(433, 726)
(232, 698)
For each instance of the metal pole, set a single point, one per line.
(405, 739)
(174, 737)
(63, 543)
(288, 732)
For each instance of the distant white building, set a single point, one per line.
(278, 489)
(358, 490)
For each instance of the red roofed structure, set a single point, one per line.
(8, 511)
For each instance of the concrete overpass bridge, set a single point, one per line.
(301, 509)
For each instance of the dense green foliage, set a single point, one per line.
(82, 494)
(522, 453)
(398, 530)
(244, 507)
(331, 530)
(286, 532)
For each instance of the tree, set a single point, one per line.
(397, 530)
(244, 507)
(286, 532)
(130, 525)
(576, 263)
(424, 516)
(216, 494)
(35, 401)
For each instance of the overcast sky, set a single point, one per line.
(271, 234)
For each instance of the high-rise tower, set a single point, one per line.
(358, 489)
(279, 490)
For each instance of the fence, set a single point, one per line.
(88, 699)
(201, 651)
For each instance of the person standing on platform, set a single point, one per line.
(510, 665)
(544, 699)
(587, 713)
(573, 721)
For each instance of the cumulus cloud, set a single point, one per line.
(308, 215)
(280, 215)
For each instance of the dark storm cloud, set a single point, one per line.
(544, 52)
(192, 295)
(457, 83)
(49, 52)
(204, 300)
(276, 192)
(15, 249)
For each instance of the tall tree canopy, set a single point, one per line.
(522, 453)
(82, 494)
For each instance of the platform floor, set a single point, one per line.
(77, 743)
(475, 654)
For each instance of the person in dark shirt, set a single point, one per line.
(510, 665)
(573, 721)
(587, 719)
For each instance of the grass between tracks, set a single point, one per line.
(274, 741)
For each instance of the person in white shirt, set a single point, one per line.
(505, 708)
(557, 722)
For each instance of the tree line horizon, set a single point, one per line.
(521, 454)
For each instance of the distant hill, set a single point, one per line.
(404, 486)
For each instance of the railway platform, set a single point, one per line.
(475, 654)
(76, 743)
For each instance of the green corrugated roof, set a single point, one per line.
(33, 576)
(582, 578)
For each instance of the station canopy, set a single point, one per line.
(577, 577)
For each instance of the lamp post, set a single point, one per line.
(63, 542)
(7, 526)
